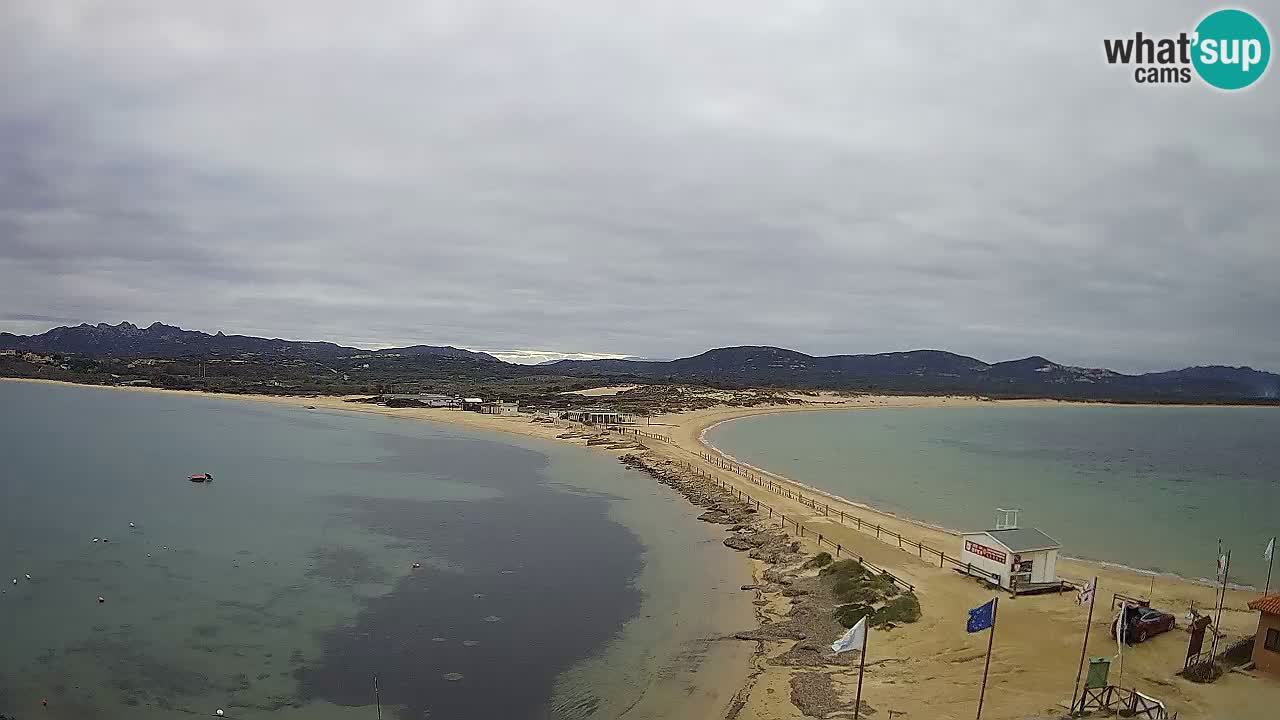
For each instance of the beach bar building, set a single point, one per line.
(600, 416)
(1266, 647)
(1024, 559)
(498, 407)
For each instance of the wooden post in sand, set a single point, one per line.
(1093, 594)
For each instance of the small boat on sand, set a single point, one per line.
(206, 477)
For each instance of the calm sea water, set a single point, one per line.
(284, 586)
(1149, 487)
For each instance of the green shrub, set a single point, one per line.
(849, 615)
(903, 609)
(844, 568)
(822, 559)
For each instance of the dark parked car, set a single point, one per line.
(1143, 623)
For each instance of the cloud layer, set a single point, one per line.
(637, 178)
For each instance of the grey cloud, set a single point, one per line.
(643, 179)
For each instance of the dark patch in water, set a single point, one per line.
(344, 566)
(571, 595)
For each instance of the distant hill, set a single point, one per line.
(935, 371)
(917, 371)
(166, 341)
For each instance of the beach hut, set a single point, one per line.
(1266, 648)
(1024, 559)
(498, 407)
(472, 404)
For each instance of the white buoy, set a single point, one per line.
(95, 539)
(15, 581)
(219, 712)
(28, 576)
(132, 525)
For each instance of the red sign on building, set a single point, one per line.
(986, 552)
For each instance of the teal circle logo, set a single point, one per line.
(1231, 49)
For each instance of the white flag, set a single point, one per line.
(1222, 566)
(853, 639)
(1120, 625)
(1271, 548)
(1086, 593)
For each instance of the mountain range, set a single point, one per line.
(920, 371)
(167, 341)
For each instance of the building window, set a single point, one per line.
(1273, 640)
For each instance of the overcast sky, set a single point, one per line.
(642, 178)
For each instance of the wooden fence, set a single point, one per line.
(637, 432)
(799, 528)
(883, 534)
(1123, 701)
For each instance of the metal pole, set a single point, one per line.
(1226, 570)
(1270, 565)
(991, 639)
(377, 696)
(862, 663)
(1084, 648)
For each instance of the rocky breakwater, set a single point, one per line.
(803, 602)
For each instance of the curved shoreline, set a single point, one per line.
(1040, 634)
(1112, 564)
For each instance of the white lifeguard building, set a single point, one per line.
(1024, 559)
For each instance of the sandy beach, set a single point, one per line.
(932, 668)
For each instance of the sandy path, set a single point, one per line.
(1038, 645)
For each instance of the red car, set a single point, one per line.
(1142, 623)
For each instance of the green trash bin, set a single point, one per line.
(1099, 668)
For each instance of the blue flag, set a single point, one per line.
(981, 617)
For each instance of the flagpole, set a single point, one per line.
(862, 663)
(1271, 564)
(1122, 632)
(1226, 570)
(1084, 647)
(995, 607)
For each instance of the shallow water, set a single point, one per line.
(285, 586)
(1149, 487)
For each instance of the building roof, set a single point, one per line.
(1269, 604)
(1022, 540)
(471, 400)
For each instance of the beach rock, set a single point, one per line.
(750, 587)
(794, 592)
(774, 575)
(771, 632)
(805, 654)
(715, 516)
(737, 543)
(814, 694)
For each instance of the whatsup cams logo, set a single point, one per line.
(1228, 50)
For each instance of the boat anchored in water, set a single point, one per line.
(205, 477)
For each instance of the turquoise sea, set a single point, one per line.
(1148, 487)
(553, 582)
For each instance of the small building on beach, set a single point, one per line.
(498, 407)
(472, 403)
(1024, 559)
(1266, 643)
(600, 416)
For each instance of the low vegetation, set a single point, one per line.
(822, 559)
(862, 593)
